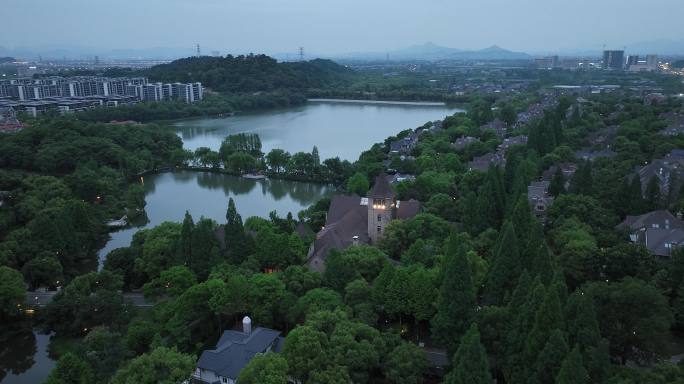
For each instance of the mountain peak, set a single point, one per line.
(494, 48)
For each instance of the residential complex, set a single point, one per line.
(78, 93)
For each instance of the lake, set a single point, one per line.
(343, 128)
(170, 194)
(24, 357)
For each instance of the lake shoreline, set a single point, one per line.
(381, 102)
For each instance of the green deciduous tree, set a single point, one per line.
(171, 282)
(634, 315)
(269, 368)
(12, 293)
(358, 184)
(304, 352)
(71, 370)
(405, 364)
(161, 366)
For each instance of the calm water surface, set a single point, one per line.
(169, 195)
(24, 357)
(337, 129)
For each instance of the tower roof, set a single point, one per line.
(381, 188)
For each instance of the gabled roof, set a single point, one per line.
(661, 242)
(381, 188)
(407, 209)
(235, 350)
(663, 218)
(347, 218)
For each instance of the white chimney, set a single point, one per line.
(355, 240)
(247, 325)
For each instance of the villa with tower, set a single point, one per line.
(353, 220)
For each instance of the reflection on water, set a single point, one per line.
(24, 357)
(337, 129)
(169, 195)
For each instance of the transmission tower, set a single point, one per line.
(199, 53)
(301, 53)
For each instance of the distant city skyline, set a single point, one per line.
(326, 27)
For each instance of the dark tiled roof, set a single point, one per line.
(407, 209)
(235, 350)
(381, 188)
(664, 219)
(346, 218)
(661, 242)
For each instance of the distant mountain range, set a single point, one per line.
(433, 52)
(427, 52)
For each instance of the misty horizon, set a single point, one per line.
(331, 28)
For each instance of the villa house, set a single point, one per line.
(482, 163)
(233, 352)
(659, 231)
(593, 155)
(462, 142)
(667, 171)
(405, 145)
(499, 127)
(676, 127)
(538, 197)
(354, 220)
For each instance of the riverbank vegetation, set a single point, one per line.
(62, 179)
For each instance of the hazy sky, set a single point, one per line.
(338, 26)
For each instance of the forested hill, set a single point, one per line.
(252, 73)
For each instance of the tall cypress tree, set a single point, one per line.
(557, 184)
(470, 364)
(572, 370)
(516, 367)
(582, 181)
(205, 248)
(653, 197)
(456, 300)
(548, 317)
(537, 255)
(522, 222)
(491, 201)
(185, 246)
(550, 358)
(558, 284)
(473, 220)
(636, 201)
(583, 331)
(237, 244)
(505, 268)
